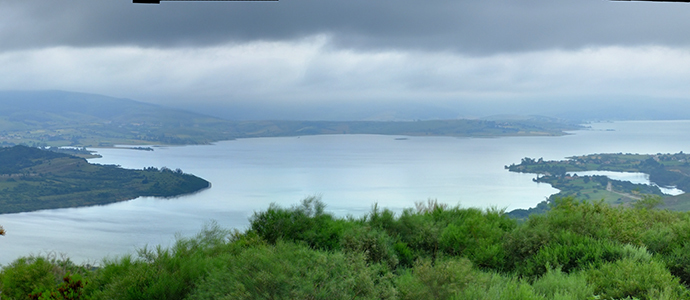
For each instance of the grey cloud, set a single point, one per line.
(480, 27)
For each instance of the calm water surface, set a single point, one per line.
(349, 172)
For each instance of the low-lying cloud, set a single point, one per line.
(312, 70)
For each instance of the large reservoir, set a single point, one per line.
(349, 172)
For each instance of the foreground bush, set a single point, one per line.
(289, 271)
(36, 275)
(636, 279)
(575, 251)
(570, 252)
(442, 280)
(164, 273)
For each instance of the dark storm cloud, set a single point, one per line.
(305, 53)
(487, 26)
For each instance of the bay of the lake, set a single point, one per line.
(349, 172)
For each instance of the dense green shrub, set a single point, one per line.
(555, 284)
(26, 275)
(306, 222)
(376, 245)
(660, 238)
(35, 274)
(678, 262)
(583, 218)
(72, 288)
(405, 255)
(384, 220)
(441, 280)
(495, 286)
(478, 236)
(420, 232)
(526, 240)
(162, 273)
(290, 271)
(569, 252)
(631, 278)
(455, 231)
(575, 251)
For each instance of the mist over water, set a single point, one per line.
(349, 172)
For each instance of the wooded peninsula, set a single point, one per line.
(665, 170)
(34, 179)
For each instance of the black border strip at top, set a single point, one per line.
(159, 1)
(657, 0)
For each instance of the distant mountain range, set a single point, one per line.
(581, 109)
(67, 118)
(57, 118)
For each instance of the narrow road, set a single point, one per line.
(609, 187)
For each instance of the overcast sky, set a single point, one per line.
(315, 52)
